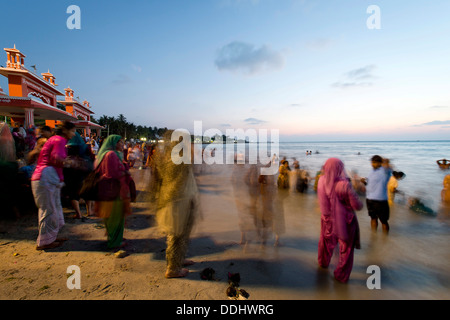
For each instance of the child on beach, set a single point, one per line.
(393, 185)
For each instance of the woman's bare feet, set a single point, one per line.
(177, 274)
(54, 244)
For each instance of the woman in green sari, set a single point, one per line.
(114, 206)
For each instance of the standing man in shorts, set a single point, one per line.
(376, 192)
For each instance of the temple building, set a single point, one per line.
(82, 112)
(29, 96)
(32, 97)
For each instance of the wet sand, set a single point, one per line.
(413, 258)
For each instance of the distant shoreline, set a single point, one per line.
(337, 141)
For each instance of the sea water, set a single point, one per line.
(416, 159)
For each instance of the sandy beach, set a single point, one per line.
(413, 258)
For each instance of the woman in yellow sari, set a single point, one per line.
(177, 206)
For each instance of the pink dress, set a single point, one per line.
(339, 224)
(52, 154)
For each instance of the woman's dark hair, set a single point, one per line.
(398, 174)
(46, 128)
(67, 125)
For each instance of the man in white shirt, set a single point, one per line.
(376, 192)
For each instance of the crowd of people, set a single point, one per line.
(57, 163)
(50, 166)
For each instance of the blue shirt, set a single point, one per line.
(377, 181)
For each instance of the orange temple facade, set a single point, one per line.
(32, 97)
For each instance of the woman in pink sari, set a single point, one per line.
(46, 183)
(339, 224)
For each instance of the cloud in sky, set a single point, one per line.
(360, 77)
(443, 124)
(226, 3)
(436, 123)
(136, 68)
(438, 107)
(121, 79)
(254, 121)
(319, 44)
(247, 58)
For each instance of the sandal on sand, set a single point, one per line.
(180, 274)
(54, 244)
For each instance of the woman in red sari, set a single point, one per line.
(110, 164)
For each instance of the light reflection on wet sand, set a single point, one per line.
(413, 258)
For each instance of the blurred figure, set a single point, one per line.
(151, 156)
(359, 187)
(243, 195)
(339, 224)
(33, 155)
(301, 178)
(376, 192)
(177, 206)
(416, 205)
(22, 131)
(81, 158)
(316, 179)
(44, 132)
(274, 158)
(445, 193)
(278, 223)
(283, 176)
(9, 194)
(94, 146)
(19, 143)
(445, 197)
(7, 144)
(392, 186)
(268, 191)
(46, 183)
(443, 164)
(131, 157)
(253, 191)
(32, 158)
(126, 145)
(144, 152)
(134, 155)
(114, 201)
(270, 219)
(30, 140)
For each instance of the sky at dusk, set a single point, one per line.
(312, 69)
